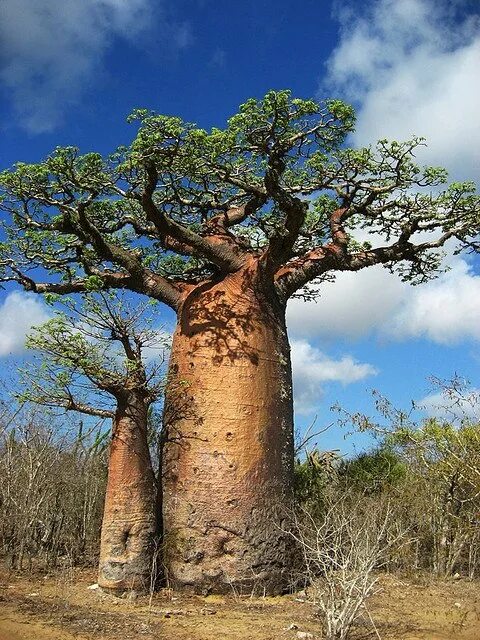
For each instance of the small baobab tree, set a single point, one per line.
(94, 360)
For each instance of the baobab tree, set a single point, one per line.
(224, 227)
(92, 360)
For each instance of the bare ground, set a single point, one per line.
(61, 607)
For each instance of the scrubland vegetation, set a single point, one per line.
(408, 506)
(52, 488)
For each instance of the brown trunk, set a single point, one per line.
(129, 519)
(229, 455)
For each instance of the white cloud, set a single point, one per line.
(312, 368)
(412, 66)
(353, 306)
(19, 312)
(51, 49)
(445, 310)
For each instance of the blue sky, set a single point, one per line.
(70, 72)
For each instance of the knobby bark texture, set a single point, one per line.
(129, 525)
(228, 464)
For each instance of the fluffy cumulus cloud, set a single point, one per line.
(50, 49)
(445, 311)
(19, 312)
(373, 301)
(411, 66)
(312, 368)
(353, 306)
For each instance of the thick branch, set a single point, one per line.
(236, 215)
(337, 230)
(179, 238)
(51, 398)
(108, 250)
(77, 223)
(147, 283)
(296, 274)
(281, 243)
(71, 404)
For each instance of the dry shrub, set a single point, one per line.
(52, 485)
(342, 545)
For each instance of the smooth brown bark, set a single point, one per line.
(228, 466)
(129, 520)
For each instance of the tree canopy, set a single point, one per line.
(91, 356)
(181, 205)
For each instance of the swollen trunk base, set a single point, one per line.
(229, 455)
(129, 523)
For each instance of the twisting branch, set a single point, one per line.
(285, 235)
(175, 235)
(93, 352)
(182, 206)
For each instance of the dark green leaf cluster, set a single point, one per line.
(374, 471)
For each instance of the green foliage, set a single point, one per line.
(90, 220)
(91, 356)
(433, 466)
(374, 471)
(309, 482)
(93, 283)
(442, 449)
(51, 298)
(313, 477)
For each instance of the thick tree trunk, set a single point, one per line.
(129, 520)
(229, 452)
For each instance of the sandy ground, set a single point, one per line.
(61, 607)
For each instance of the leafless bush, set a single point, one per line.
(52, 485)
(341, 549)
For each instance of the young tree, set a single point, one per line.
(92, 360)
(224, 227)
